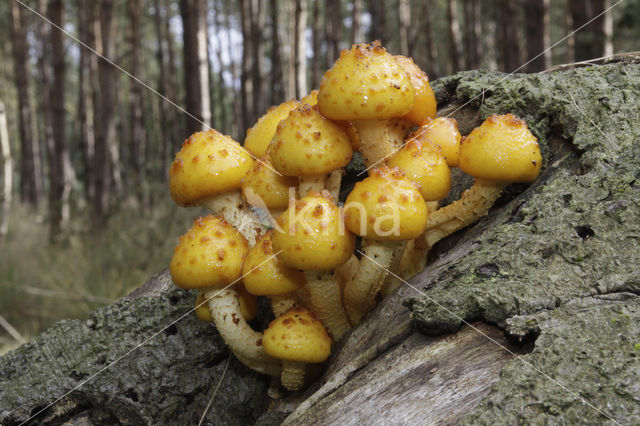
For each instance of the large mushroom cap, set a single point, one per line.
(441, 132)
(208, 164)
(386, 206)
(425, 105)
(501, 149)
(265, 275)
(311, 235)
(306, 143)
(425, 165)
(259, 136)
(271, 188)
(365, 83)
(297, 335)
(210, 254)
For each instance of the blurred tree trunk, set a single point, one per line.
(85, 100)
(137, 134)
(300, 48)
(473, 33)
(246, 82)
(607, 28)
(357, 32)
(333, 31)
(277, 84)
(203, 64)
(537, 30)
(237, 107)
(257, 24)
(105, 103)
(288, 39)
(316, 67)
(190, 11)
(60, 165)
(510, 46)
(404, 21)
(602, 28)
(177, 132)
(454, 34)
(165, 128)
(7, 171)
(221, 98)
(431, 53)
(378, 30)
(30, 178)
(595, 39)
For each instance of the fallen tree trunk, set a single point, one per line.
(530, 316)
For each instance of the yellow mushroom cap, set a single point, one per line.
(311, 235)
(425, 105)
(425, 165)
(259, 136)
(271, 188)
(386, 206)
(297, 335)
(311, 99)
(208, 164)
(265, 275)
(247, 302)
(210, 254)
(365, 83)
(306, 144)
(443, 133)
(501, 149)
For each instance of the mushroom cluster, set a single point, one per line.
(290, 169)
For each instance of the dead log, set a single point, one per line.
(530, 316)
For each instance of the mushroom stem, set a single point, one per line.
(326, 302)
(311, 183)
(235, 210)
(474, 203)
(379, 139)
(293, 373)
(282, 303)
(243, 341)
(360, 293)
(334, 180)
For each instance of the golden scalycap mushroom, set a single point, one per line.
(365, 83)
(425, 105)
(297, 335)
(441, 132)
(208, 164)
(209, 255)
(386, 206)
(501, 149)
(306, 143)
(265, 275)
(311, 235)
(202, 308)
(263, 182)
(425, 165)
(259, 136)
(311, 99)
(248, 305)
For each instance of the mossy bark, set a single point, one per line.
(530, 316)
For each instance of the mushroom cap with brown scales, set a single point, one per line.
(424, 164)
(501, 149)
(386, 206)
(441, 132)
(248, 304)
(271, 188)
(299, 336)
(208, 164)
(365, 83)
(266, 275)
(310, 235)
(425, 105)
(259, 136)
(306, 143)
(311, 99)
(209, 255)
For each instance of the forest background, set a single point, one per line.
(90, 119)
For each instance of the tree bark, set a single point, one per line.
(333, 31)
(378, 29)
(258, 11)
(237, 103)
(165, 110)
(246, 82)
(203, 64)
(190, 11)
(300, 48)
(510, 46)
(404, 21)
(7, 172)
(178, 132)
(86, 111)
(316, 61)
(454, 34)
(432, 67)
(473, 33)
(357, 32)
(538, 42)
(30, 178)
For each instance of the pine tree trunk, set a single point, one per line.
(237, 104)
(510, 47)
(404, 21)
(583, 40)
(472, 33)
(378, 29)
(454, 34)
(203, 64)
(316, 61)
(164, 127)
(189, 11)
(537, 31)
(257, 24)
(85, 101)
(277, 82)
(357, 33)
(30, 178)
(300, 48)
(432, 67)
(7, 172)
(177, 130)
(333, 18)
(222, 89)
(246, 82)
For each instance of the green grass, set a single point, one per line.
(41, 283)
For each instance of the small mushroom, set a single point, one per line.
(297, 338)
(311, 237)
(259, 136)
(209, 258)
(262, 187)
